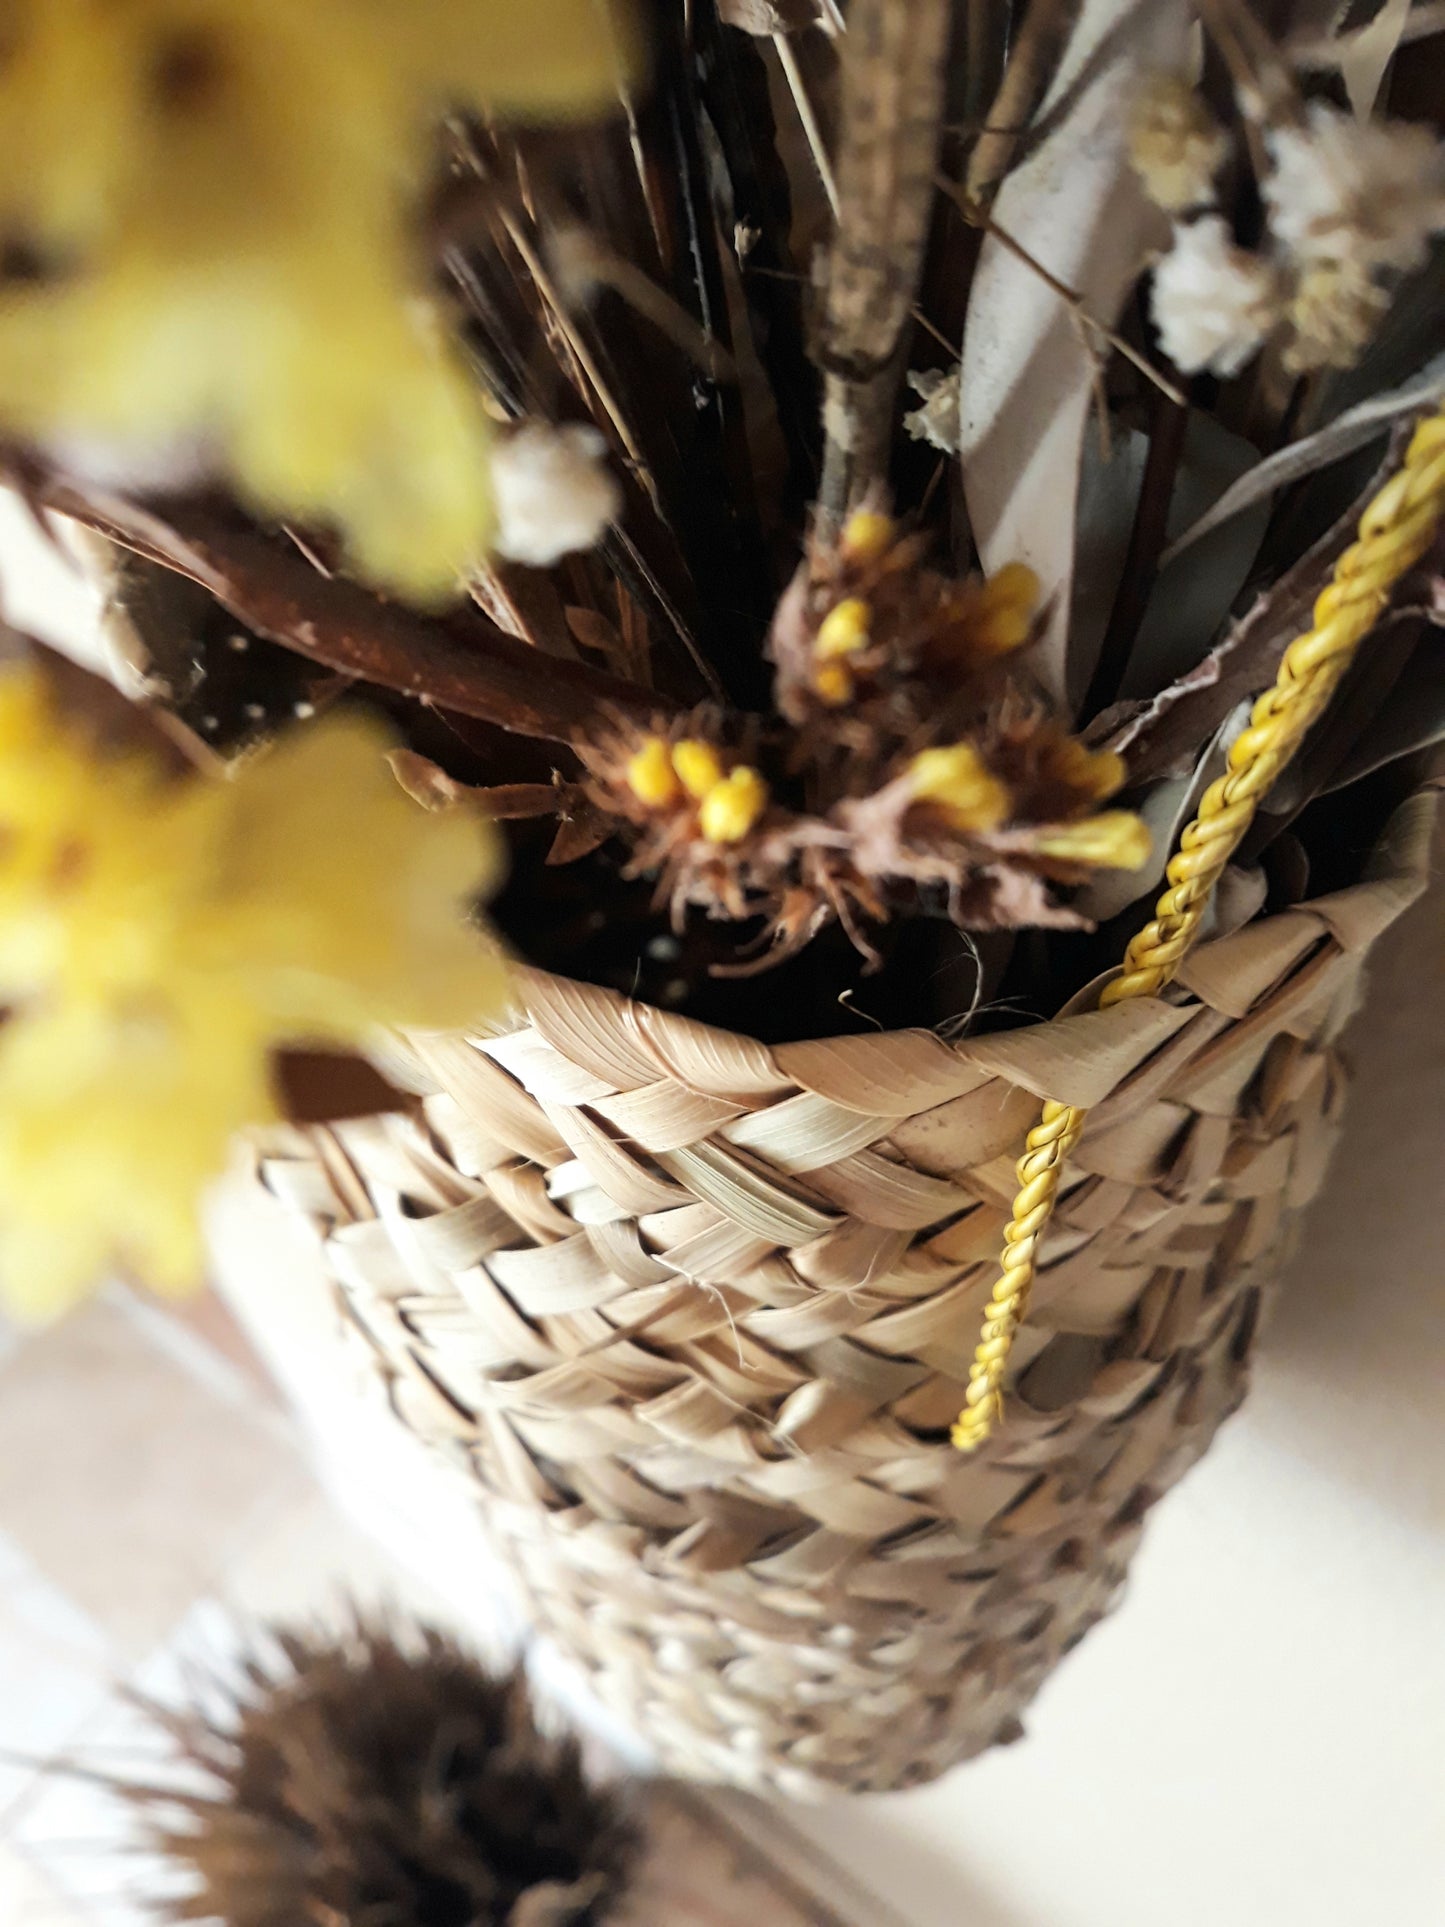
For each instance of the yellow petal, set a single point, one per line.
(867, 535)
(1114, 840)
(111, 1124)
(550, 57)
(833, 684)
(342, 904)
(698, 765)
(955, 778)
(651, 776)
(731, 809)
(844, 630)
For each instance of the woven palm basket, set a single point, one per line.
(696, 1315)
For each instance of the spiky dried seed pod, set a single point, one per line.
(864, 623)
(367, 1781)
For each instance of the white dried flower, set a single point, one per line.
(1334, 312)
(936, 421)
(553, 492)
(1370, 193)
(1176, 146)
(1213, 302)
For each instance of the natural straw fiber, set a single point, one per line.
(697, 1315)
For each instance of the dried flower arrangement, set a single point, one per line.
(835, 488)
(521, 405)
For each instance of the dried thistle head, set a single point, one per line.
(993, 820)
(996, 823)
(865, 625)
(921, 763)
(362, 1784)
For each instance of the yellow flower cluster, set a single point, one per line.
(205, 207)
(729, 802)
(158, 936)
(973, 622)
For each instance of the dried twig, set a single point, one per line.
(807, 115)
(465, 664)
(894, 69)
(1031, 62)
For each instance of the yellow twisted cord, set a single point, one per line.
(1394, 532)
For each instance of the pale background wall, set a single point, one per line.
(1257, 1739)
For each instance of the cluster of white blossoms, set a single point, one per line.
(1350, 204)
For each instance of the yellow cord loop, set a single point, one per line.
(1394, 533)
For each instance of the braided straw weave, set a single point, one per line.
(696, 1315)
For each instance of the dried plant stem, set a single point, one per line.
(466, 664)
(807, 115)
(578, 348)
(978, 217)
(894, 72)
(1031, 63)
(584, 263)
(1263, 82)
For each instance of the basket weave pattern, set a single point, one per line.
(697, 1315)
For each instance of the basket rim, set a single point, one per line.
(1079, 1056)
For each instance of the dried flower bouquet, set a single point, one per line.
(829, 482)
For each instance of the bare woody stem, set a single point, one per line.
(894, 73)
(1031, 63)
(465, 663)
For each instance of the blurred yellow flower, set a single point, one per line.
(159, 936)
(205, 209)
(955, 779)
(730, 810)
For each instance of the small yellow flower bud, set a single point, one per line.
(1006, 609)
(844, 630)
(1117, 840)
(1098, 772)
(867, 535)
(730, 810)
(956, 778)
(698, 766)
(833, 684)
(650, 775)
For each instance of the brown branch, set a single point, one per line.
(462, 663)
(894, 70)
(1031, 63)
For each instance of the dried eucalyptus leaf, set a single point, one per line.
(1028, 377)
(1354, 429)
(1110, 478)
(1366, 56)
(1193, 594)
(1238, 898)
(1412, 719)
(1159, 735)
